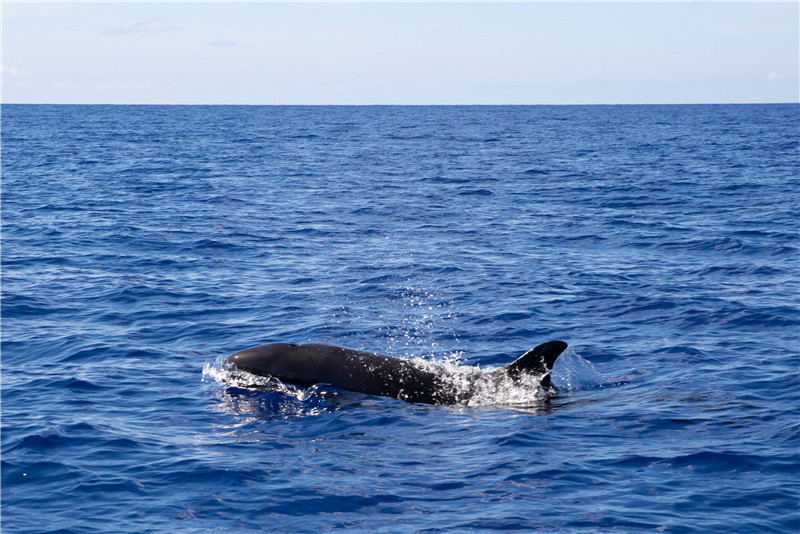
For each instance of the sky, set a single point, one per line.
(400, 53)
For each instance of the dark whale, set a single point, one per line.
(375, 374)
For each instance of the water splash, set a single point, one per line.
(572, 372)
(243, 393)
(228, 375)
(470, 385)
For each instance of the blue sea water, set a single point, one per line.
(141, 245)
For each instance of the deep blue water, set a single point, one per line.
(142, 245)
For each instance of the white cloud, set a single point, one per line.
(14, 72)
(224, 43)
(100, 86)
(66, 85)
(118, 86)
(774, 76)
(147, 26)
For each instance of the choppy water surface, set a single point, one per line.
(142, 245)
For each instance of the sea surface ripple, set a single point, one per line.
(141, 245)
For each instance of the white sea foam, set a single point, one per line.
(472, 385)
(228, 375)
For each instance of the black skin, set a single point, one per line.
(376, 374)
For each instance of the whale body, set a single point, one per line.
(376, 374)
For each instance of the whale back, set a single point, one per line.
(354, 370)
(376, 374)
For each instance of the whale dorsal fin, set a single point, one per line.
(539, 360)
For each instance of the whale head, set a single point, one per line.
(263, 360)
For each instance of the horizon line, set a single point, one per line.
(407, 105)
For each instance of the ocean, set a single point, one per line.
(142, 245)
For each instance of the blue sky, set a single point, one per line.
(400, 53)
